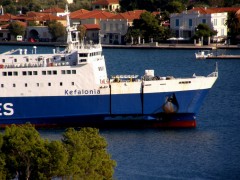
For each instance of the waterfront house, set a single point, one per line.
(184, 24)
(92, 32)
(91, 20)
(114, 29)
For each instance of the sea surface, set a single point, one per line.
(210, 151)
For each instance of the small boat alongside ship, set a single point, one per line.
(71, 88)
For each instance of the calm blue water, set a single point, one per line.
(211, 151)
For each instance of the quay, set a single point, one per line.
(224, 57)
(130, 46)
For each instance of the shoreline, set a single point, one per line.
(137, 46)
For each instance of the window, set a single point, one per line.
(223, 21)
(83, 54)
(72, 83)
(63, 72)
(190, 22)
(100, 68)
(49, 72)
(111, 27)
(68, 71)
(15, 60)
(184, 82)
(54, 72)
(2, 85)
(222, 32)
(82, 60)
(204, 21)
(215, 22)
(104, 26)
(4, 73)
(24, 73)
(26, 85)
(177, 23)
(49, 84)
(61, 83)
(14, 85)
(73, 71)
(29, 73)
(15, 73)
(9, 73)
(38, 84)
(123, 27)
(3, 60)
(44, 73)
(35, 73)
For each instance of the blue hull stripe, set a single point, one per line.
(101, 107)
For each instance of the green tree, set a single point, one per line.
(203, 30)
(175, 6)
(16, 28)
(51, 160)
(147, 27)
(80, 155)
(82, 32)
(19, 145)
(133, 34)
(2, 160)
(233, 25)
(56, 29)
(88, 158)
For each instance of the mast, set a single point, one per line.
(69, 32)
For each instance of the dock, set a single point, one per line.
(224, 57)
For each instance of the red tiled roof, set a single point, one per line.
(35, 14)
(98, 14)
(130, 15)
(7, 17)
(106, 2)
(203, 10)
(54, 10)
(92, 26)
(78, 13)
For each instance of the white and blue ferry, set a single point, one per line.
(71, 88)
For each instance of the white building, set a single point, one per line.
(184, 24)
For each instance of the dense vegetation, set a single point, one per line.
(171, 6)
(146, 27)
(79, 155)
(174, 5)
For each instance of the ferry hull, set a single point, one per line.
(148, 109)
